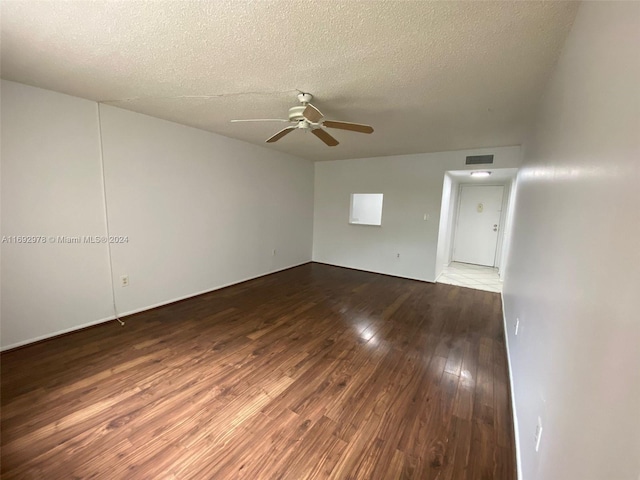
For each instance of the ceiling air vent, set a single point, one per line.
(479, 159)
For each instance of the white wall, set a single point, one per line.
(445, 223)
(573, 276)
(508, 228)
(200, 210)
(412, 187)
(51, 185)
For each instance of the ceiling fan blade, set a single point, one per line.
(325, 137)
(261, 120)
(354, 127)
(280, 134)
(312, 114)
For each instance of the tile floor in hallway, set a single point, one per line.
(471, 276)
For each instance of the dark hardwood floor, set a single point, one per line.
(314, 372)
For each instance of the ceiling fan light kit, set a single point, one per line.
(309, 118)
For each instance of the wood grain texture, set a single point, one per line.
(316, 372)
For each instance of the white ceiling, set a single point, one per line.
(428, 76)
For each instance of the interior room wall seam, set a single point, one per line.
(106, 218)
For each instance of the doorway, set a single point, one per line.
(478, 224)
(450, 268)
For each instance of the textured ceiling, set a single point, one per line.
(428, 76)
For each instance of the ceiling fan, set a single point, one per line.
(309, 118)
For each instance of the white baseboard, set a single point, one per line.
(56, 333)
(514, 414)
(138, 310)
(374, 271)
(184, 297)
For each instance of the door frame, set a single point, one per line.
(451, 181)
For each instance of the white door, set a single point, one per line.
(478, 225)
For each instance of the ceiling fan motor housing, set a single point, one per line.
(295, 113)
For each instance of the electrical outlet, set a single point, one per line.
(538, 435)
(397, 255)
(124, 281)
(517, 326)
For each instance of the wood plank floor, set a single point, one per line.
(314, 372)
